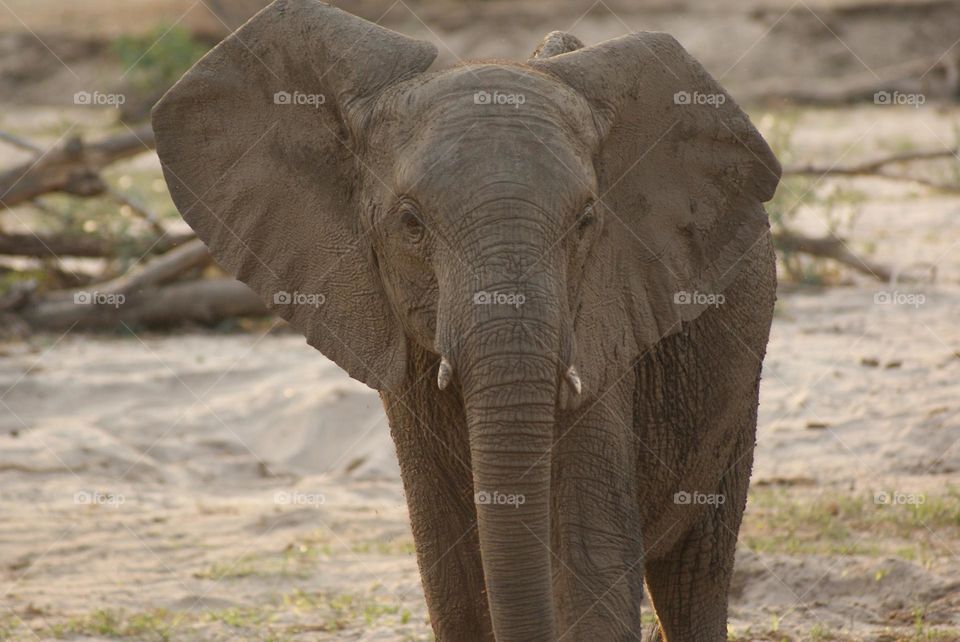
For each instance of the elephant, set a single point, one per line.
(557, 273)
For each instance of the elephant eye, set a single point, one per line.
(587, 217)
(411, 221)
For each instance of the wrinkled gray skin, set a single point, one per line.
(602, 209)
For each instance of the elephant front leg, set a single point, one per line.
(597, 548)
(689, 585)
(435, 467)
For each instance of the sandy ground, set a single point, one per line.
(240, 486)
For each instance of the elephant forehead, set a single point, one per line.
(494, 96)
(490, 92)
(528, 85)
(493, 122)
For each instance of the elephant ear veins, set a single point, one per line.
(682, 173)
(257, 143)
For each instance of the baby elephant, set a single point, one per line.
(558, 274)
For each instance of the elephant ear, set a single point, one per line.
(257, 143)
(682, 174)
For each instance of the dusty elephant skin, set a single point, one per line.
(557, 273)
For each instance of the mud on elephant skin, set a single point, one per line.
(556, 272)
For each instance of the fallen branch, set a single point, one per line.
(163, 269)
(139, 209)
(830, 247)
(73, 168)
(16, 141)
(875, 165)
(146, 296)
(205, 301)
(875, 168)
(44, 246)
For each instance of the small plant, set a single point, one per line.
(156, 59)
(156, 625)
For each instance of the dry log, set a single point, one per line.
(20, 143)
(205, 301)
(830, 247)
(144, 296)
(73, 167)
(43, 246)
(875, 168)
(163, 269)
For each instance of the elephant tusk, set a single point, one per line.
(573, 378)
(444, 374)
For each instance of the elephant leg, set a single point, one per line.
(597, 546)
(430, 436)
(704, 383)
(689, 586)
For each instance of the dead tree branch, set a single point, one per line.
(16, 141)
(206, 301)
(830, 247)
(163, 269)
(875, 168)
(73, 168)
(45, 246)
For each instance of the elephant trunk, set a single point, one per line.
(510, 387)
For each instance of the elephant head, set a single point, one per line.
(533, 226)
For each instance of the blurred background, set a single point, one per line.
(177, 465)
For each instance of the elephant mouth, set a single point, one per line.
(571, 376)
